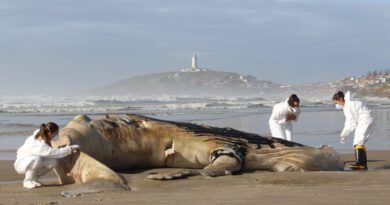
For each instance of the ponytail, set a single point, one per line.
(41, 131)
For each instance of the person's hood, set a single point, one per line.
(347, 96)
(35, 134)
(293, 109)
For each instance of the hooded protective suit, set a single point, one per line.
(359, 118)
(35, 158)
(279, 126)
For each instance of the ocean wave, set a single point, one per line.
(32, 104)
(17, 125)
(16, 129)
(15, 133)
(50, 104)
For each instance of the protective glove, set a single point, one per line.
(291, 117)
(74, 147)
(342, 139)
(170, 150)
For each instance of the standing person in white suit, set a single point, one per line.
(283, 114)
(37, 157)
(358, 118)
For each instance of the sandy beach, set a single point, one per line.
(370, 187)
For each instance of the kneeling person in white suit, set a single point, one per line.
(280, 122)
(37, 157)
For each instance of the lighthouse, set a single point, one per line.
(194, 62)
(194, 66)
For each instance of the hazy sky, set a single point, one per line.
(61, 46)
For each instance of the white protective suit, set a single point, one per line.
(35, 158)
(359, 118)
(279, 126)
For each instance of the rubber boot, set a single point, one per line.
(361, 158)
(364, 160)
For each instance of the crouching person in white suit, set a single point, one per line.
(280, 122)
(37, 157)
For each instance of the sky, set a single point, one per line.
(60, 47)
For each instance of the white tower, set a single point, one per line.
(194, 62)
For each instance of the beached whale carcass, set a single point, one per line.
(123, 142)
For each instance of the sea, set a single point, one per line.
(319, 123)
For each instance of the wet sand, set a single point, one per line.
(348, 187)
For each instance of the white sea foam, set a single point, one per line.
(43, 103)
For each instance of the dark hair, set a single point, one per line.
(338, 96)
(293, 98)
(44, 131)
